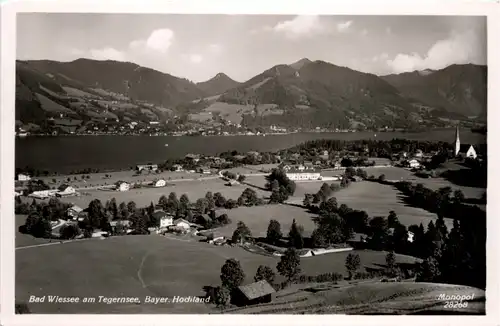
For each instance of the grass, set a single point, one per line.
(257, 219)
(144, 196)
(374, 298)
(77, 92)
(378, 200)
(51, 106)
(143, 265)
(231, 112)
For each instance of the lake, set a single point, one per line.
(65, 154)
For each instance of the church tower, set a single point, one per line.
(457, 142)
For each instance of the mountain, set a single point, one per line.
(134, 81)
(217, 85)
(322, 94)
(457, 89)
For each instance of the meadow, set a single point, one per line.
(138, 266)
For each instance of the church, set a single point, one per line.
(463, 150)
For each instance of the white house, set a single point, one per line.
(182, 224)
(122, 186)
(65, 190)
(410, 236)
(298, 175)
(23, 177)
(159, 183)
(413, 163)
(166, 221)
(419, 153)
(178, 168)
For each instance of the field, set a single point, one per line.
(377, 200)
(371, 298)
(78, 93)
(257, 219)
(51, 106)
(137, 266)
(144, 196)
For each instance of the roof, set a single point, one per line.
(256, 290)
(176, 221)
(120, 182)
(160, 214)
(303, 171)
(76, 208)
(192, 156)
(205, 217)
(63, 187)
(123, 222)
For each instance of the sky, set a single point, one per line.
(197, 47)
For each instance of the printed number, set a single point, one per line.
(455, 305)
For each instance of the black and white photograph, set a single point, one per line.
(255, 164)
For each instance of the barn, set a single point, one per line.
(254, 293)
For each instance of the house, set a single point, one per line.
(254, 293)
(203, 219)
(125, 223)
(192, 157)
(182, 224)
(23, 177)
(300, 175)
(165, 219)
(122, 186)
(159, 183)
(178, 168)
(203, 169)
(411, 163)
(419, 153)
(65, 190)
(74, 211)
(147, 167)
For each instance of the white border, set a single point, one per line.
(351, 7)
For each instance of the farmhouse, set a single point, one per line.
(297, 174)
(159, 183)
(165, 219)
(193, 157)
(411, 163)
(65, 190)
(124, 223)
(182, 224)
(254, 293)
(147, 167)
(74, 211)
(178, 168)
(23, 177)
(122, 186)
(203, 169)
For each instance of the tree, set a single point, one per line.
(265, 273)
(392, 219)
(22, 308)
(279, 175)
(428, 270)
(222, 296)
(30, 222)
(352, 264)
(141, 223)
(241, 233)
(163, 202)
(113, 208)
(69, 231)
(209, 197)
(295, 237)
(274, 232)
(172, 203)
(241, 178)
(184, 204)
(248, 197)
(220, 201)
(201, 205)
(379, 232)
(96, 213)
(289, 264)
(131, 207)
(42, 229)
(324, 192)
(308, 199)
(231, 203)
(232, 274)
(381, 177)
(319, 240)
(151, 208)
(390, 262)
(458, 196)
